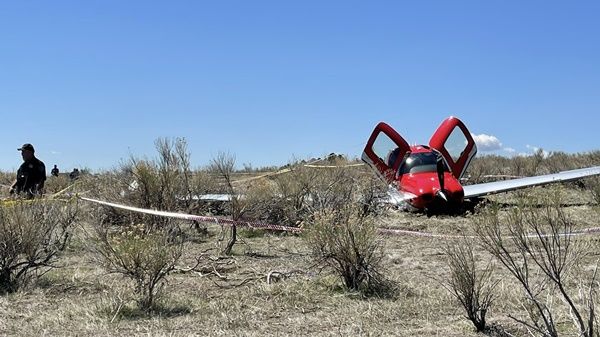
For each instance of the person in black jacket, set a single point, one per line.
(31, 174)
(54, 171)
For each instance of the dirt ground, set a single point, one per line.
(271, 287)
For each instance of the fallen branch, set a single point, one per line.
(274, 276)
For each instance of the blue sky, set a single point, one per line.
(91, 82)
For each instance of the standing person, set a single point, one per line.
(31, 174)
(74, 174)
(54, 171)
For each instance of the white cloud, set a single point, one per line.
(487, 142)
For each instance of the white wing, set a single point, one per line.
(211, 197)
(509, 185)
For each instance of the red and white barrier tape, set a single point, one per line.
(199, 218)
(395, 231)
(262, 225)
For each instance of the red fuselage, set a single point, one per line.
(418, 175)
(427, 177)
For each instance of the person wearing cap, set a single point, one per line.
(31, 175)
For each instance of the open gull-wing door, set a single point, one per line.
(385, 151)
(454, 141)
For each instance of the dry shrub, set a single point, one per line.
(536, 163)
(6, 180)
(294, 197)
(347, 242)
(561, 161)
(205, 182)
(483, 166)
(291, 195)
(166, 182)
(141, 253)
(56, 184)
(108, 186)
(223, 165)
(32, 234)
(542, 260)
(471, 286)
(593, 185)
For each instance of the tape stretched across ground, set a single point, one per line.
(396, 231)
(199, 218)
(262, 225)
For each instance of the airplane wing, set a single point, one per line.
(478, 190)
(212, 197)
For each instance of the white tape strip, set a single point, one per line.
(333, 166)
(262, 225)
(394, 231)
(191, 217)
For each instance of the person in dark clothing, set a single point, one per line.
(31, 174)
(74, 175)
(54, 171)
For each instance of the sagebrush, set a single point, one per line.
(32, 235)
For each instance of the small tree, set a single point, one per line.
(224, 165)
(32, 234)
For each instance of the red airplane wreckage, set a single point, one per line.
(427, 177)
(420, 177)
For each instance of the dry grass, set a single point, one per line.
(270, 286)
(234, 298)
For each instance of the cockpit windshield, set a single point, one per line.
(421, 162)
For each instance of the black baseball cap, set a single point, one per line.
(26, 146)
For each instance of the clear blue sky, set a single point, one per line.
(90, 82)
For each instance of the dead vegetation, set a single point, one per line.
(492, 167)
(145, 255)
(118, 277)
(32, 235)
(471, 285)
(541, 255)
(346, 240)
